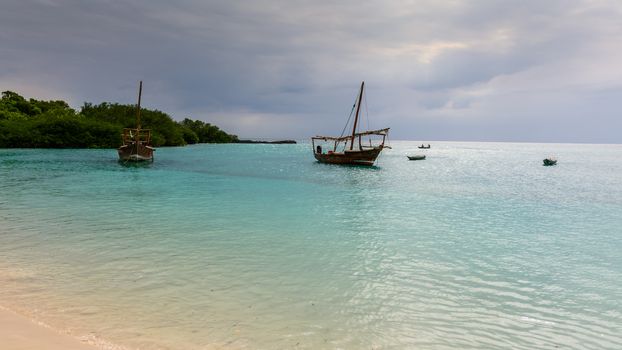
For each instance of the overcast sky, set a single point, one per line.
(537, 71)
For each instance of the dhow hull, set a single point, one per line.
(364, 157)
(135, 153)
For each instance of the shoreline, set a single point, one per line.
(21, 333)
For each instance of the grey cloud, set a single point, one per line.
(430, 65)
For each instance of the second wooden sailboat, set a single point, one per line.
(356, 153)
(136, 141)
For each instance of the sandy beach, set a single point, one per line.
(20, 333)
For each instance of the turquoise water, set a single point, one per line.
(259, 247)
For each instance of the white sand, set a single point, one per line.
(20, 333)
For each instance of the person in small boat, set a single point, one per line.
(318, 149)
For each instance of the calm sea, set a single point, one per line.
(259, 247)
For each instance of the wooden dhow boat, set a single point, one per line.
(356, 153)
(136, 141)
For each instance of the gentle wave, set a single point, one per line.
(252, 247)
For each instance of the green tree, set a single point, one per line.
(54, 124)
(208, 133)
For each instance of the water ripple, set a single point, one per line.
(477, 247)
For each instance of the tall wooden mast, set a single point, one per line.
(356, 118)
(140, 92)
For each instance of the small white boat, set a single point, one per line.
(416, 157)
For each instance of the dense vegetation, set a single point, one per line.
(53, 124)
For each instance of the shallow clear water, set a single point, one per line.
(259, 247)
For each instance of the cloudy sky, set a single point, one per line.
(485, 70)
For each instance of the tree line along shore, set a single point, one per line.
(31, 123)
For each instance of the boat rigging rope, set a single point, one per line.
(349, 117)
(366, 110)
